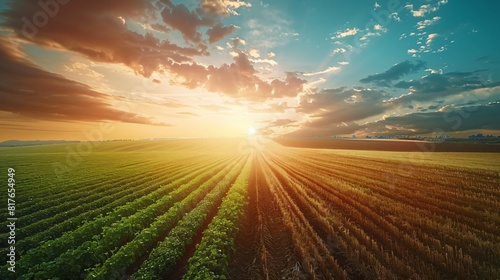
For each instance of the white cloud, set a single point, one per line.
(267, 61)
(313, 84)
(379, 28)
(219, 48)
(339, 50)
(237, 41)
(343, 62)
(368, 35)
(376, 6)
(425, 9)
(254, 53)
(424, 23)
(433, 71)
(346, 33)
(271, 55)
(431, 38)
(326, 71)
(413, 52)
(223, 7)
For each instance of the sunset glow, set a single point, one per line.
(251, 131)
(204, 68)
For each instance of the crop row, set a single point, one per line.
(134, 189)
(163, 258)
(44, 219)
(316, 257)
(53, 248)
(390, 203)
(188, 209)
(210, 260)
(359, 201)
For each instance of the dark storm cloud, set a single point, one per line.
(449, 119)
(394, 73)
(334, 111)
(342, 105)
(436, 86)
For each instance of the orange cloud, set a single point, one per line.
(74, 28)
(31, 91)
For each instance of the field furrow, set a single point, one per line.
(246, 209)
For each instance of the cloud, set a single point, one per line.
(379, 28)
(222, 7)
(143, 53)
(254, 53)
(425, 9)
(376, 6)
(267, 61)
(438, 86)
(346, 33)
(326, 71)
(343, 62)
(237, 80)
(451, 102)
(428, 22)
(36, 93)
(431, 38)
(394, 73)
(412, 51)
(187, 22)
(159, 27)
(368, 35)
(219, 31)
(310, 129)
(453, 119)
(290, 87)
(271, 55)
(83, 69)
(342, 105)
(420, 12)
(339, 50)
(279, 123)
(237, 42)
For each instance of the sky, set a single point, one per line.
(135, 69)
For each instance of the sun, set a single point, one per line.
(251, 131)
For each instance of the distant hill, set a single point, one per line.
(15, 143)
